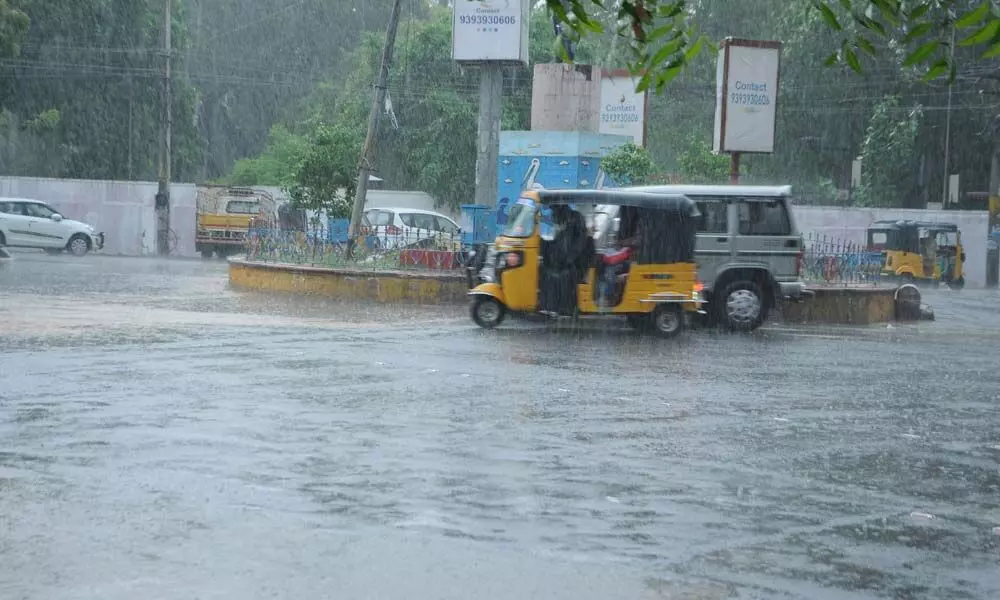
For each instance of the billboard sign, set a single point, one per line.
(746, 96)
(623, 110)
(491, 31)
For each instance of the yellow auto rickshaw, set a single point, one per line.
(655, 288)
(920, 251)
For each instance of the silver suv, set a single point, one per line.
(749, 251)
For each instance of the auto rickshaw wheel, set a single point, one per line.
(667, 320)
(957, 284)
(487, 312)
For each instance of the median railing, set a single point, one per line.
(324, 246)
(831, 261)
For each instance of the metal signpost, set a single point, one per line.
(747, 78)
(490, 34)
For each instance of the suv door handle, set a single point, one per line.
(722, 240)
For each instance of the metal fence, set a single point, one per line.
(829, 261)
(325, 247)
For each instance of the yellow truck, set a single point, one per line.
(225, 215)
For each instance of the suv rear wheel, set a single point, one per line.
(742, 306)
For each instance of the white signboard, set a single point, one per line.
(623, 111)
(746, 96)
(491, 31)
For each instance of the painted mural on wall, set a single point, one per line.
(551, 159)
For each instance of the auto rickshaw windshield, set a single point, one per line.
(521, 219)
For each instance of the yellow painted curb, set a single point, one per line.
(389, 287)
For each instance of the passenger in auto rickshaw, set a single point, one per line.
(614, 264)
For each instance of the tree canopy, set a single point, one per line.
(664, 36)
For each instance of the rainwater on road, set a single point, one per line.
(165, 437)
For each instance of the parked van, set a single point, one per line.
(748, 249)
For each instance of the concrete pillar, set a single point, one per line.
(566, 98)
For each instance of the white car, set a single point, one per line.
(28, 223)
(399, 228)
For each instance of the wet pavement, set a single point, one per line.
(162, 436)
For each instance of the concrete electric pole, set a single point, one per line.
(488, 138)
(166, 154)
(378, 103)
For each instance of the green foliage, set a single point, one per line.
(85, 97)
(887, 154)
(628, 164)
(665, 37)
(13, 27)
(276, 165)
(698, 164)
(325, 179)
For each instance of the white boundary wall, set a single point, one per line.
(849, 224)
(125, 212)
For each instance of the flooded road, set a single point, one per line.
(163, 437)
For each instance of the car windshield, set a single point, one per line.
(521, 219)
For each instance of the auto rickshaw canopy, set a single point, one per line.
(669, 222)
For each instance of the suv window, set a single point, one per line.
(446, 226)
(38, 210)
(764, 217)
(419, 221)
(714, 216)
(6, 207)
(379, 218)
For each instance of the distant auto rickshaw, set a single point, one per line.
(920, 251)
(651, 280)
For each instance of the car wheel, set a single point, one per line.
(78, 245)
(487, 312)
(53, 251)
(742, 306)
(206, 254)
(957, 284)
(667, 321)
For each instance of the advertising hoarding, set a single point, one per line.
(491, 31)
(623, 110)
(747, 76)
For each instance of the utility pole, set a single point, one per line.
(947, 130)
(166, 154)
(488, 139)
(378, 104)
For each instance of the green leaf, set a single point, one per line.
(939, 68)
(922, 53)
(985, 34)
(665, 51)
(919, 11)
(662, 31)
(695, 49)
(831, 19)
(993, 52)
(866, 45)
(851, 58)
(846, 4)
(918, 31)
(831, 60)
(974, 17)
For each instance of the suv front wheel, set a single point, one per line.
(742, 306)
